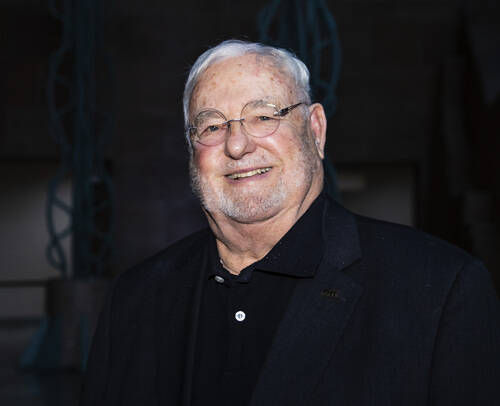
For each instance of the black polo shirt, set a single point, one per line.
(240, 313)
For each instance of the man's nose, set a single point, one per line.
(238, 141)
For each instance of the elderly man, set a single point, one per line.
(287, 298)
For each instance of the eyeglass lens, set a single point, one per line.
(258, 119)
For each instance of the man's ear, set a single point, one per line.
(317, 124)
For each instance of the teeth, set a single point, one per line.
(250, 173)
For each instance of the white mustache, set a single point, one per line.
(259, 162)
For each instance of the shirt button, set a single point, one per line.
(219, 279)
(240, 316)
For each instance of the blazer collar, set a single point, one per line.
(178, 304)
(315, 319)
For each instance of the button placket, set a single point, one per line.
(237, 309)
(237, 317)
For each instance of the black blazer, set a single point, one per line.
(392, 317)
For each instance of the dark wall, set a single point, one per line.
(410, 93)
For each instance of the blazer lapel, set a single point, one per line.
(178, 302)
(193, 330)
(314, 321)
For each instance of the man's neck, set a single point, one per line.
(241, 244)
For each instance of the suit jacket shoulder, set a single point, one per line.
(404, 257)
(164, 263)
(404, 240)
(144, 307)
(428, 318)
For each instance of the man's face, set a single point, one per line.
(245, 178)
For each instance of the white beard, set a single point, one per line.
(247, 206)
(244, 207)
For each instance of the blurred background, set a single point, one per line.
(93, 162)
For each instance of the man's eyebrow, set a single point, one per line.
(208, 112)
(263, 102)
(268, 98)
(260, 101)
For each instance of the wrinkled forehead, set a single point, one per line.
(239, 80)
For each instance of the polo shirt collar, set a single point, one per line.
(297, 254)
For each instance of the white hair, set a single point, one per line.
(281, 58)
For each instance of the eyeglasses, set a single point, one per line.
(258, 118)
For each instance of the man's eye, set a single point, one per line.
(211, 129)
(264, 118)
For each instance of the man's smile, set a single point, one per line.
(247, 174)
